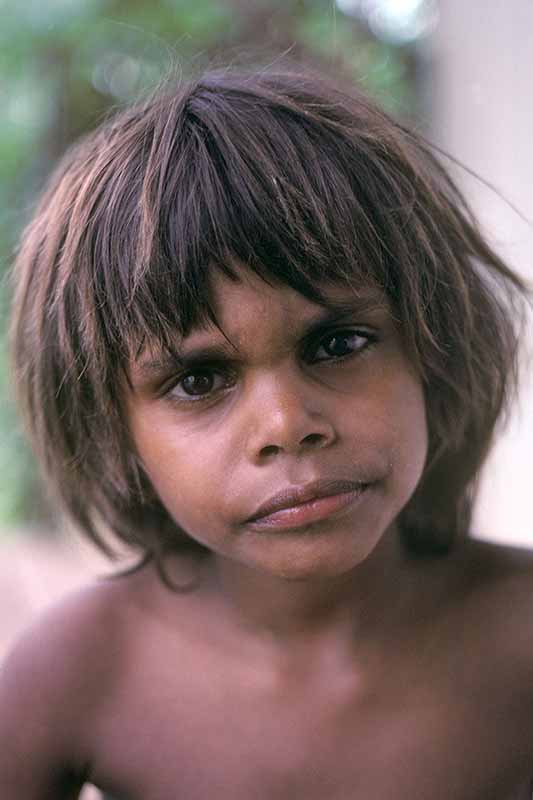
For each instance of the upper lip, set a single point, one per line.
(296, 495)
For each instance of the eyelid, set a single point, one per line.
(318, 337)
(221, 369)
(226, 366)
(343, 323)
(187, 365)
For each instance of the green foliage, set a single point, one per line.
(64, 63)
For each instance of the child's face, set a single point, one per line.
(292, 399)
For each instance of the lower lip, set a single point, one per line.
(307, 513)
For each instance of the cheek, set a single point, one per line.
(390, 421)
(410, 435)
(184, 468)
(170, 462)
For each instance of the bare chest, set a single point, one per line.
(210, 735)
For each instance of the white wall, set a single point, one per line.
(482, 97)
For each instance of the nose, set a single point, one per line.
(286, 418)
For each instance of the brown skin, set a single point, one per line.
(318, 662)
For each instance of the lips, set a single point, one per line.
(302, 505)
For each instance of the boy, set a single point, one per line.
(258, 336)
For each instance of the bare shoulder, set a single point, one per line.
(53, 684)
(498, 566)
(74, 644)
(498, 597)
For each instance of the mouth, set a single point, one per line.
(297, 507)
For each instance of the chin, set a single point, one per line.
(310, 557)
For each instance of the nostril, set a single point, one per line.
(313, 438)
(270, 450)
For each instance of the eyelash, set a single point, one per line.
(211, 369)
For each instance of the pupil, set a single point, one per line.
(198, 383)
(338, 345)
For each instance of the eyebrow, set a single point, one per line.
(335, 312)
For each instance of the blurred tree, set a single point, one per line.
(65, 63)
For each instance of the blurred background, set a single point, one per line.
(462, 73)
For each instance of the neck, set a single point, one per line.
(281, 611)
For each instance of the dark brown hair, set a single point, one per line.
(302, 182)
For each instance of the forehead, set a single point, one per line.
(247, 313)
(246, 304)
(251, 307)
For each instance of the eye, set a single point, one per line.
(199, 384)
(341, 343)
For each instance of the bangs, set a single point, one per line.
(234, 178)
(307, 186)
